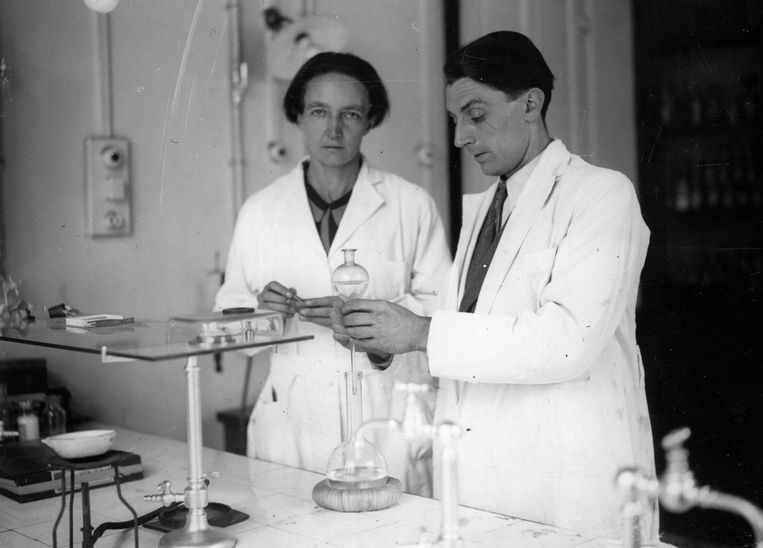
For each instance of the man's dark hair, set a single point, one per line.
(505, 60)
(342, 63)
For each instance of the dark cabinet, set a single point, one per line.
(700, 319)
(701, 178)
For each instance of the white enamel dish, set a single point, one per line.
(77, 445)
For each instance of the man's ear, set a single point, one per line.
(534, 99)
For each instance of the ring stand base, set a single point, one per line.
(189, 537)
(357, 500)
(218, 515)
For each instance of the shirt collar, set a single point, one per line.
(516, 183)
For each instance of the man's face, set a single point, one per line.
(490, 125)
(335, 119)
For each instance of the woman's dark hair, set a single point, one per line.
(342, 63)
(507, 61)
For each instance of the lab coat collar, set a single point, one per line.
(553, 161)
(365, 200)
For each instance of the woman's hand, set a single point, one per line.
(279, 298)
(323, 311)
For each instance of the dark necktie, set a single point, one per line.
(326, 215)
(487, 241)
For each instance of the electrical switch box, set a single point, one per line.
(107, 171)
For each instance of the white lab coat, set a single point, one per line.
(400, 241)
(546, 377)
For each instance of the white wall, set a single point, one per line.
(175, 116)
(588, 46)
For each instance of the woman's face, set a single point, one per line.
(335, 119)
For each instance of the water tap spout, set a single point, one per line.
(679, 492)
(165, 495)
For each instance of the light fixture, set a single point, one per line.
(102, 6)
(294, 41)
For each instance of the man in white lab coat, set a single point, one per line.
(536, 350)
(289, 239)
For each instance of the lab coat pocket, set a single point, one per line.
(390, 282)
(271, 435)
(536, 267)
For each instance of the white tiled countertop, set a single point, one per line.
(278, 501)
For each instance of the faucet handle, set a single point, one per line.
(676, 455)
(676, 439)
(679, 491)
(164, 494)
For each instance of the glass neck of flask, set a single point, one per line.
(354, 403)
(349, 256)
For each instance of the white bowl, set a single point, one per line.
(86, 443)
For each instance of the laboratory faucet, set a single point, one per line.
(678, 492)
(417, 424)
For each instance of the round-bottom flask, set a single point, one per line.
(350, 280)
(355, 463)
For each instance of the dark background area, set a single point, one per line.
(700, 320)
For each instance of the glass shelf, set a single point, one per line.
(142, 340)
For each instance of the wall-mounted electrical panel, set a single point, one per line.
(107, 171)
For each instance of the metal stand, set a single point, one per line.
(417, 423)
(88, 537)
(197, 531)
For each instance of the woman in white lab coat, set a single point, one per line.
(289, 238)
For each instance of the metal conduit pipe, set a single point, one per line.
(238, 82)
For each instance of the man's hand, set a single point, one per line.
(323, 311)
(381, 327)
(279, 298)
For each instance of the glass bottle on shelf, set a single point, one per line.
(666, 105)
(355, 463)
(28, 423)
(682, 197)
(665, 190)
(55, 416)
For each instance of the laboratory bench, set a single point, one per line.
(278, 502)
